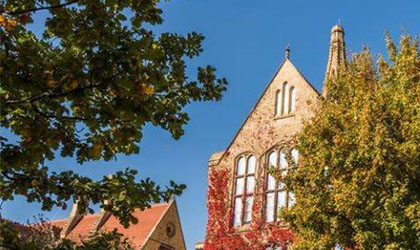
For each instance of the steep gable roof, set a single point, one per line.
(138, 233)
(217, 158)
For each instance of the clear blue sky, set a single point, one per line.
(245, 40)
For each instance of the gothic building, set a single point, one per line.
(243, 198)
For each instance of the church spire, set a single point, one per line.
(337, 55)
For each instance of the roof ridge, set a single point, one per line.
(253, 108)
(57, 220)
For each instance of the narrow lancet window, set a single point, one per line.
(244, 189)
(284, 97)
(278, 103)
(292, 99)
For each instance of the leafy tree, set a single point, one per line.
(85, 89)
(358, 180)
(41, 236)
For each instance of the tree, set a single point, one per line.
(42, 236)
(358, 180)
(85, 89)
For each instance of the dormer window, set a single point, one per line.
(285, 100)
(244, 189)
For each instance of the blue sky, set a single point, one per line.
(245, 40)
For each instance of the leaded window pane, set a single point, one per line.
(272, 159)
(241, 166)
(269, 213)
(250, 184)
(248, 208)
(237, 212)
(239, 185)
(283, 161)
(271, 182)
(251, 165)
(281, 199)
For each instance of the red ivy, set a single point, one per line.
(221, 235)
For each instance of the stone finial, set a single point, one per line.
(337, 55)
(287, 52)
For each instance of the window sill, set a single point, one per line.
(243, 227)
(279, 223)
(279, 117)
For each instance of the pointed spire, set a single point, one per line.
(287, 52)
(337, 55)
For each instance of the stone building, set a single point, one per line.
(243, 208)
(158, 227)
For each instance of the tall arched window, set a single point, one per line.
(278, 103)
(284, 96)
(277, 196)
(244, 189)
(292, 99)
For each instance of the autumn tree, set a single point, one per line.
(43, 236)
(85, 89)
(358, 180)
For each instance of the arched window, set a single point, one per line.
(292, 99)
(277, 196)
(278, 103)
(244, 189)
(284, 96)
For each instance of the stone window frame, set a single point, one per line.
(285, 100)
(278, 149)
(291, 100)
(284, 95)
(244, 195)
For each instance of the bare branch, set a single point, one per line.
(19, 12)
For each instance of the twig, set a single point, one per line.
(19, 12)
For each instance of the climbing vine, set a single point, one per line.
(220, 231)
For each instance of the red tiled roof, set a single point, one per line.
(57, 225)
(140, 232)
(136, 233)
(83, 229)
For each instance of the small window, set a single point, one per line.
(244, 189)
(285, 101)
(292, 99)
(284, 97)
(277, 196)
(278, 103)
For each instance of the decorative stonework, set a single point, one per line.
(262, 130)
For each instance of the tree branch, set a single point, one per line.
(50, 116)
(52, 95)
(19, 12)
(40, 96)
(21, 176)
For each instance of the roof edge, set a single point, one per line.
(259, 100)
(158, 222)
(253, 108)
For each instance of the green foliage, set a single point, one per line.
(85, 89)
(358, 178)
(40, 236)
